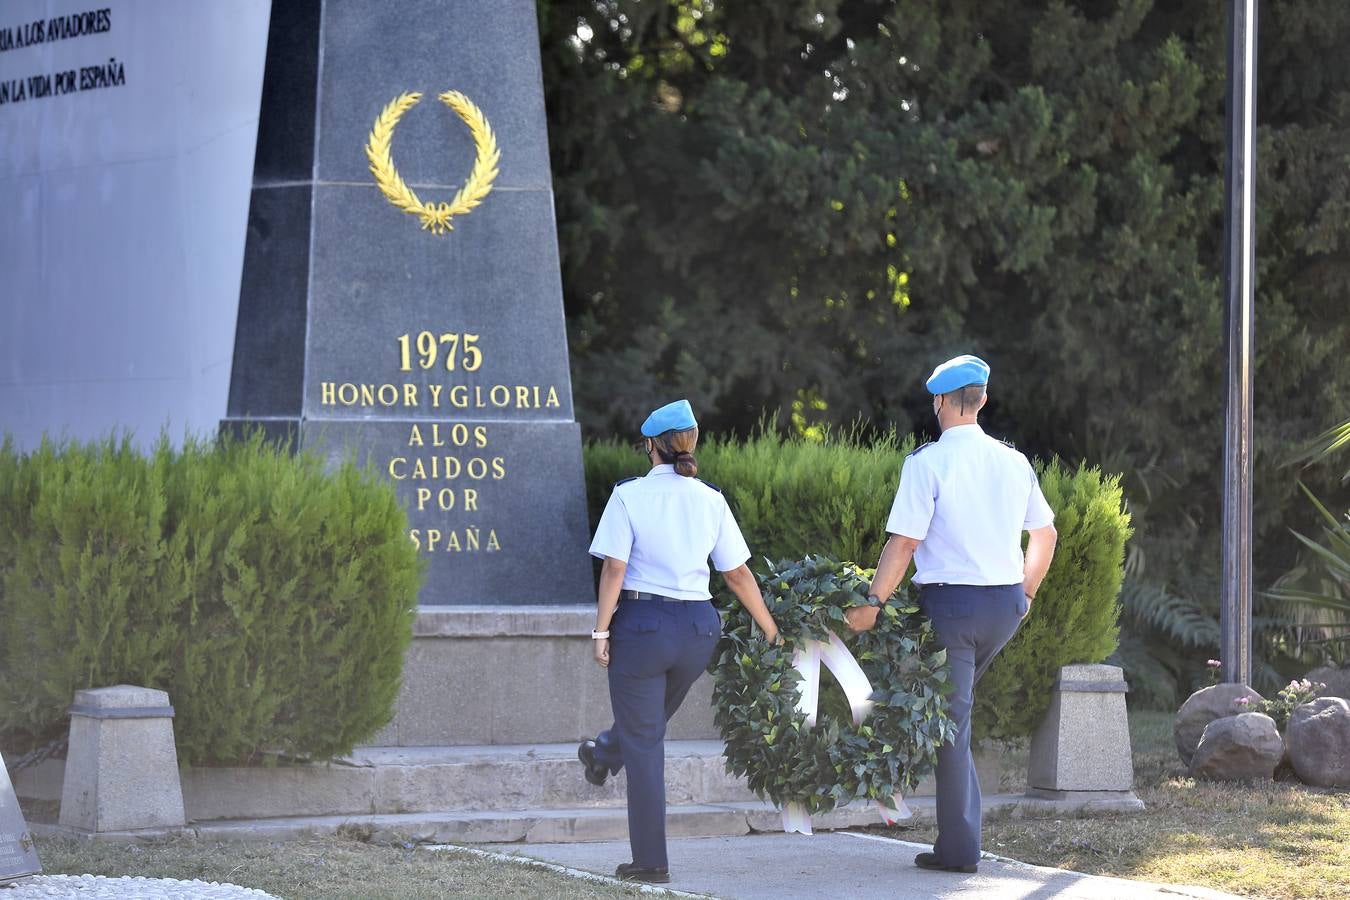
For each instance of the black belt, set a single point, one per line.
(643, 595)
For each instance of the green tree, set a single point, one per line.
(802, 207)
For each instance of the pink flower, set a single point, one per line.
(1214, 664)
(1242, 701)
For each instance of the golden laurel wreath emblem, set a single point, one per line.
(435, 217)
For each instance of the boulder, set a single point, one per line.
(1319, 742)
(1245, 747)
(1203, 707)
(1337, 681)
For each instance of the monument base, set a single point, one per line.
(485, 675)
(530, 791)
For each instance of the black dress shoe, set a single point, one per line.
(596, 773)
(930, 861)
(634, 872)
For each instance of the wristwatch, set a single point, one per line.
(874, 600)
(600, 635)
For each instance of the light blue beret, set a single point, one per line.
(676, 416)
(957, 373)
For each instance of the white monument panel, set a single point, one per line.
(127, 131)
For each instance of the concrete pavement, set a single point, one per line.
(855, 865)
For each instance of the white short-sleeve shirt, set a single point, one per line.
(967, 498)
(665, 527)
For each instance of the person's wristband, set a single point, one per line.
(600, 635)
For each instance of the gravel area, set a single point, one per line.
(125, 888)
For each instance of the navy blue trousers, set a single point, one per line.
(657, 650)
(973, 622)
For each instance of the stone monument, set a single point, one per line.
(18, 858)
(401, 300)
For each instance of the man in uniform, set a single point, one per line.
(959, 513)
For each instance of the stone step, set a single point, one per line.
(399, 780)
(604, 823)
(542, 825)
(545, 826)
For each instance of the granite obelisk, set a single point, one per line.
(401, 298)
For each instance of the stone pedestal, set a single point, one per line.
(122, 765)
(1083, 745)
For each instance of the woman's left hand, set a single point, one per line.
(602, 652)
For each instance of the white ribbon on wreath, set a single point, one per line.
(837, 658)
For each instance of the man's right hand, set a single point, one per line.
(861, 618)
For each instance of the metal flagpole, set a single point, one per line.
(1235, 617)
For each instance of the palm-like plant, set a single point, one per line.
(1322, 446)
(1318, 590)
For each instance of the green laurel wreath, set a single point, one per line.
(755, 692)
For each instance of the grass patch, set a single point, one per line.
(325, 869)
(1277, 839)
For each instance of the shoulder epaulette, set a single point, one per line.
(919, 449)
(708, 484)
(626, 480)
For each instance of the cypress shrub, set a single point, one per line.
(794, 497)
(791, 497)
(272, 599)
(1077, 610)
(89, 584)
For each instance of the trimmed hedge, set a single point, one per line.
(794, 497)
(272, 599)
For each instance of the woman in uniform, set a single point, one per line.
(655, 628)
